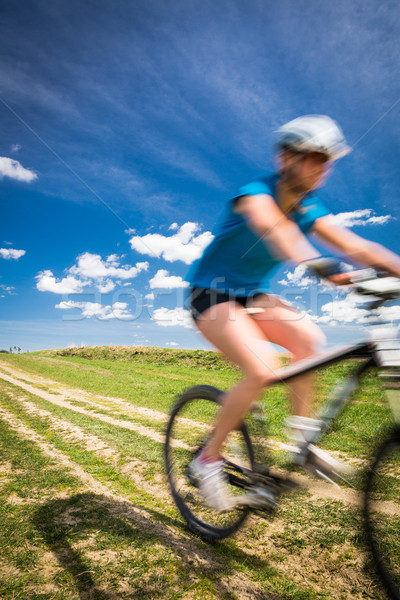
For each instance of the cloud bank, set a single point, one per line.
(90, 270)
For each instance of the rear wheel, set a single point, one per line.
(382, 513)
(190, 425)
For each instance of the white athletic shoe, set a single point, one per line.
(212, 483)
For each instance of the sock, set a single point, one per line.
(302, 429)
(207, 459)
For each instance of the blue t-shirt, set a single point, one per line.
(237, 261)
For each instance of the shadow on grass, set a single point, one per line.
(60, 521)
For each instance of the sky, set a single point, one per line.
(126, 126)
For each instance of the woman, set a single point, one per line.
(263, 226)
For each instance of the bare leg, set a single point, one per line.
(301, 393)
(283, 325)
(240, 337)
(233, 331)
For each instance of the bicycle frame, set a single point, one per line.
(370, 354)
(263, 485)
(381, 354)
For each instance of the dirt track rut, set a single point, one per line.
(61, 395)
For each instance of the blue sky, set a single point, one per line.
(127, 125)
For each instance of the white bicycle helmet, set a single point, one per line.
(313, 133)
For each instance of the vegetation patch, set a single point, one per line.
(86, 511)
(144, 354)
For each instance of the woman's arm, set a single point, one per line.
(270, 224)
(355, 247)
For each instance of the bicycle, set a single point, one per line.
(257, 486)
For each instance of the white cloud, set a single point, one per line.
(342, 311)
(46, 282)
(90, 270)
(11, 253)
(298, 278)
(350, 310)
(91, 266)
(150, 296)
(171, 344)
(162, 279)
(183, 245)
(118, 310)
(363, 216)
(107, 286)
(8, 289)
(113, 260)
(15, 148)
(13, 169)
(172, 317)
(304, 278)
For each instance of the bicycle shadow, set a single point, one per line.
(60, 520)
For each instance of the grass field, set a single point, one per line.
(86, 512)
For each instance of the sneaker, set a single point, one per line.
(212, 483)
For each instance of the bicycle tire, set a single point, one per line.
(382, 523)
(192, 419)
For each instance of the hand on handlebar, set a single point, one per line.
(367, 282)
(341, 278)
(328, 268)
(332, 269)
(350, 277)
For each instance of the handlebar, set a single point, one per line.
(369, 283)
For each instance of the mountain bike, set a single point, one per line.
(258, 487)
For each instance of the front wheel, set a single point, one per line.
(382, 513)
(190, 425)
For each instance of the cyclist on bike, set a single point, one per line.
(265, 224)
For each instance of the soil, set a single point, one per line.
(342, 569)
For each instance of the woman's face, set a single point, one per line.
(306, 172)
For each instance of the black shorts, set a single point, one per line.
(201, 299)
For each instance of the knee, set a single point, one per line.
(258, 379)
(309, 343)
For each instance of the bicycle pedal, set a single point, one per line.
(278, 483)
(259, 498)
(261, 469)
(192, 479)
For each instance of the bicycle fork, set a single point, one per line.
(338, 399)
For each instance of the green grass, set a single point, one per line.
(130, 542)
(133, 375)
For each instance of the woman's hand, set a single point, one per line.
(342, 278)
